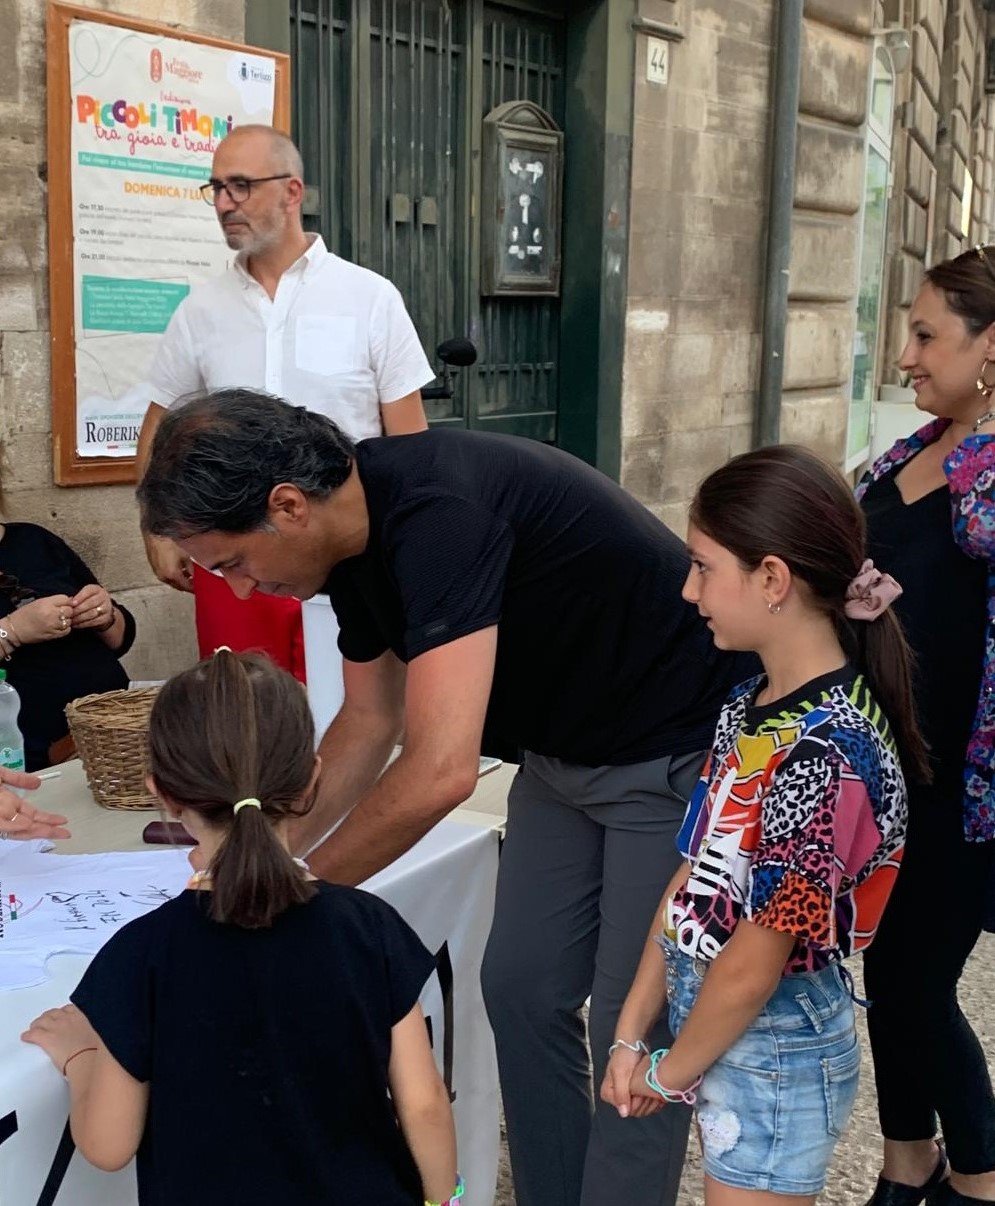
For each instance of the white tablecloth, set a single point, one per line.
(444, 887)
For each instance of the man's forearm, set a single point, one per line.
(441, 699)
(352, 758)
(146, 435)
(404, 804)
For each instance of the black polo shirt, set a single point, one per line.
(599, 660)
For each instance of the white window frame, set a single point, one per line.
(877, 138)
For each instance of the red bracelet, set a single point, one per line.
(73, 1056)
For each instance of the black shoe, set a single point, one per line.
(894, 1193)
(944, 1194)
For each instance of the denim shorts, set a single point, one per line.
(771, 1108)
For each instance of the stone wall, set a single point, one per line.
(699, 165)
(100, 522)
(700, 162)
(949, 128)
(956, 133)
(825, 243)
(698, 222)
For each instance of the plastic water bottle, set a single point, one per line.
(11, 741)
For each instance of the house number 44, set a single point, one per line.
(657, 60)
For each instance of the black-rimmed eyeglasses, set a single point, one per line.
(238, 188)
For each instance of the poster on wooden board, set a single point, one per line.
(135, 113)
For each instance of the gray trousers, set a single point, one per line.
(587, 855)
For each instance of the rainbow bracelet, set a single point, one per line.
(674, 1096)
(457, 1193)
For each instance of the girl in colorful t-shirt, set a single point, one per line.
(257, 1039)
(792, 839)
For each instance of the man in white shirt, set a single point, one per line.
(291, 318)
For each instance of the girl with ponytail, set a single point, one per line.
(792, 839)
(247, 769)
(258, 1038)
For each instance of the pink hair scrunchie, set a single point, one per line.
(870, 593)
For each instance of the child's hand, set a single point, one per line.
(61, 1033)
(644, 1101)
(624, 1086)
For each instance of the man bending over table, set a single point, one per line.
(492, 593)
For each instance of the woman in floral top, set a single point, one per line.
(930, 507)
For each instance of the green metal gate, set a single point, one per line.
(388, 100)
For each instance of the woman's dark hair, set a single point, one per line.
(786, 502)
(216, 457)
(968, 284)
(235, 727)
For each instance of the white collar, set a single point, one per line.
(315, 254)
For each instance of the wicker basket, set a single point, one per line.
(111, 734)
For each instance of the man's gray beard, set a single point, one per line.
(251, 244)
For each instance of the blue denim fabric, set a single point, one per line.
(772, 1107)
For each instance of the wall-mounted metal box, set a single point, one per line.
(522, 190)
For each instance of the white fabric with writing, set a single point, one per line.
(71, 904)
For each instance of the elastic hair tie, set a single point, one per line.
(222, 649)
(248, 802)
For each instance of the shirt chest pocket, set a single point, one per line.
(326, 345)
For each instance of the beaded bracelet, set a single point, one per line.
(456, 1194)
(674, 1096)
(638, 1047)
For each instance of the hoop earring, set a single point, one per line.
(775, 608)
(983, 387)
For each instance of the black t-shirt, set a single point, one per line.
(48, 674)
(266, 1050)
(599, 660)
(943, 609)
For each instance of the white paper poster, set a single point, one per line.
(147, 115)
